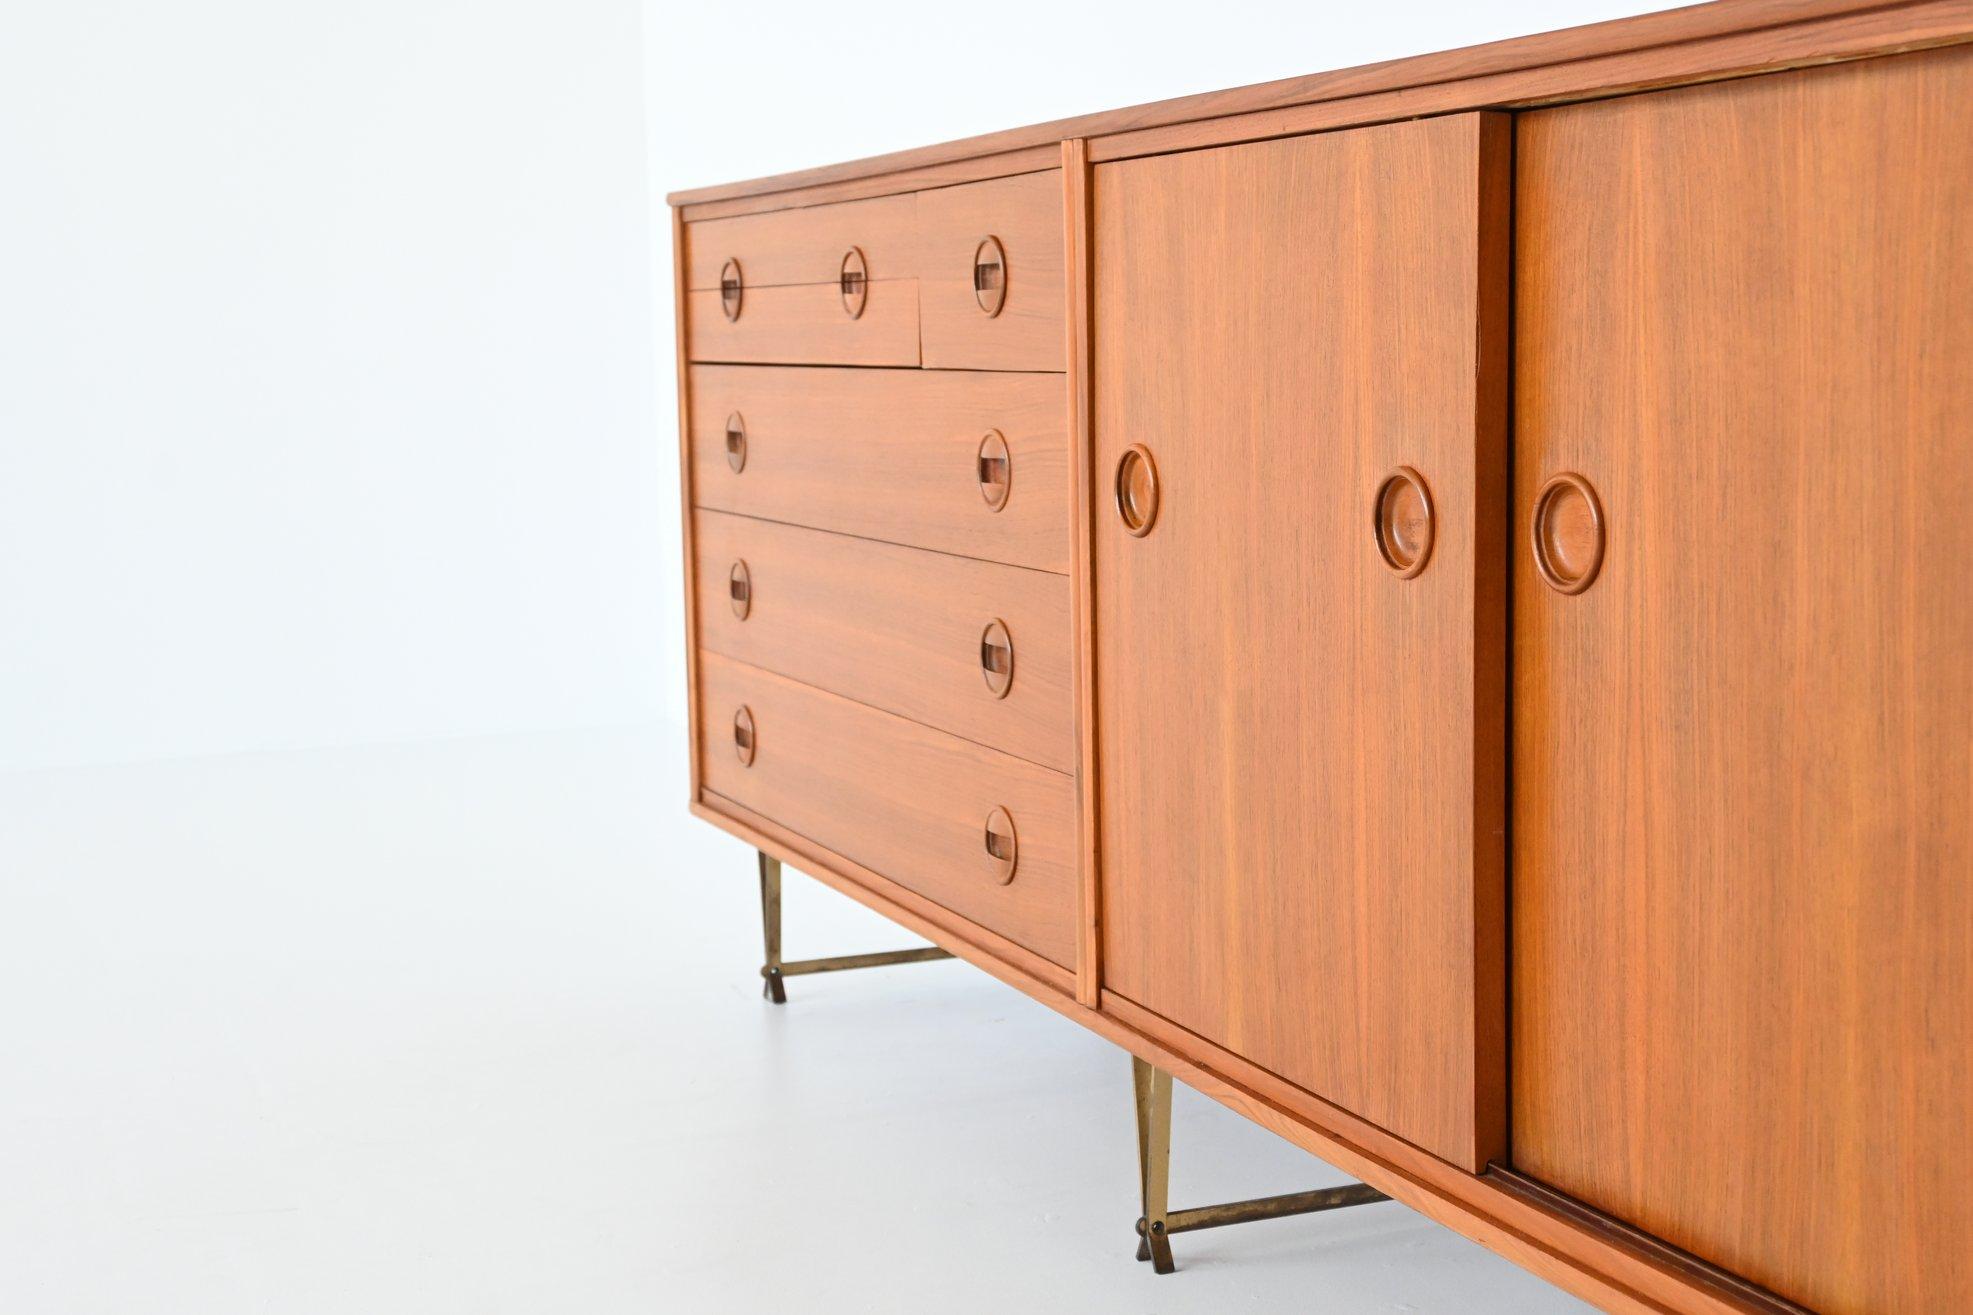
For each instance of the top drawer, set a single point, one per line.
(990, 274)
(824, 285)
(968, 277)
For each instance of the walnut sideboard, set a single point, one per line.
(1431, 602)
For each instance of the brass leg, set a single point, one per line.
(770, 925)
(775, 971)
(1153, 1162)
(1158, 1222)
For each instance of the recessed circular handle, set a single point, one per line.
(990, 275)
(1567, 533)
(743, 736)
(854, 282)
(736, 442)
(1003, 847)
(740, 589)
(995, 470)
(1137, 490)
(997, 658)
(1404, 522)
(731, 289)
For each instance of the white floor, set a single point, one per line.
(475, 1027)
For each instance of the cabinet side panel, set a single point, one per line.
(680, 265)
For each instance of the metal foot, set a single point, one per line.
(1158, 1222)
(774, 972)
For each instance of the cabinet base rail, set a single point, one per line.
(1158, 1222)
(775, 969)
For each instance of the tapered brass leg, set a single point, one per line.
(1159, 1221)
(1153, 1087)
(775, 971)
(770, 926)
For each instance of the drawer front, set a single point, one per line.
(781, 247)
(968, 324)
(826, 285)
(890, 454)
(975, 648)
(910, 803)
(806, 324)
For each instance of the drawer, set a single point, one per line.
(990, 271)
(806, 324)
(781, 247)
(890, 454)
(908, 631)
(828, 285)
(912, 804)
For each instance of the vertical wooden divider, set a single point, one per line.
(1082, 583)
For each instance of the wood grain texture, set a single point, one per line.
(903, 800)
(805, 324)
(1732, 55)
(1743, 805)
(1657, 35)
(897, 628)
(807, 245)
(1025, 214)
(1301, 856)
(1075, 241)
(890, 454)
(685, 477)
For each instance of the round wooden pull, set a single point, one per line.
(1002, 845)
(1404, 522)
(996, 470)
(854, 282)
(740, 588)
(997, 659)
(743, 736)
(1567, 533)
(736, 442)
(731, 289)
(990, 275)
(1137, 490)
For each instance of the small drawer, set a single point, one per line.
(963, 462)
(990, 271)
(988, 836)
(806, 324)
(825, 285)
(974, 648)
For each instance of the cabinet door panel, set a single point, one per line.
(1300, 747)
(1743, 810)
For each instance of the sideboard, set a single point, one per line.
(1431, 602)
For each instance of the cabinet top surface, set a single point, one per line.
(1702, 42)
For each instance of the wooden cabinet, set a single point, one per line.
(1430, 602)
(1299, 741)
(1743, 800)
(879, 558)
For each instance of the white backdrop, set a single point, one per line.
(335, 340)
(327, 409)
